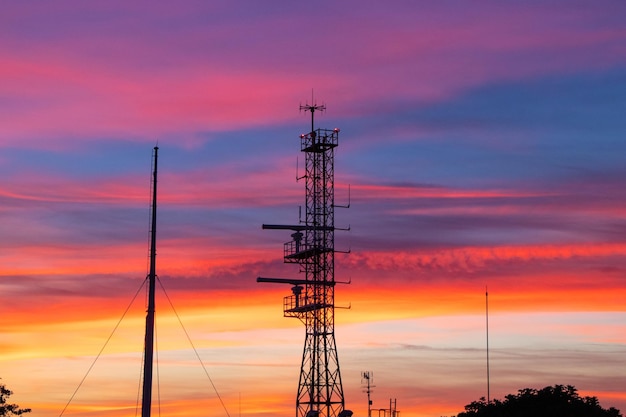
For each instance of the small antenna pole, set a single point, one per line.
(487, 328)
(367, 378)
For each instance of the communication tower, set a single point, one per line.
(320, 391)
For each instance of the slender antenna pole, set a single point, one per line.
(149, 341)
(368, 376)
(369, 398)
(487, 326)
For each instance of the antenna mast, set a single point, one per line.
(487, 327)
(367, 378)
(312, 108)
(149, 341)
(320, 391)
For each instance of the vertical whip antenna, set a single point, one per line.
(487, 331)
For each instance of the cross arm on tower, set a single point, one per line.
(294, 281)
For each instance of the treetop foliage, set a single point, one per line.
(556, 401)
(9, 409)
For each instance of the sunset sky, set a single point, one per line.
(483, 144)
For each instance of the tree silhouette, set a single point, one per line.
(556, 401)
(9, 409)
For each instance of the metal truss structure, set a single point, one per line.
(320, 390)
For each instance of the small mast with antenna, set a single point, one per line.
(146, 402)
(367, 379)
(312, 108)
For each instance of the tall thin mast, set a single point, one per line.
(487, 328)
(368, 376)
(149, 341)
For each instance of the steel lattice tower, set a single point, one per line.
(320, 391)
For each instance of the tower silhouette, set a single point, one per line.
(320, 390)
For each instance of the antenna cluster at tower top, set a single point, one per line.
(312, 107)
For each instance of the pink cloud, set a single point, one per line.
(71, 99)
(198, 79)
